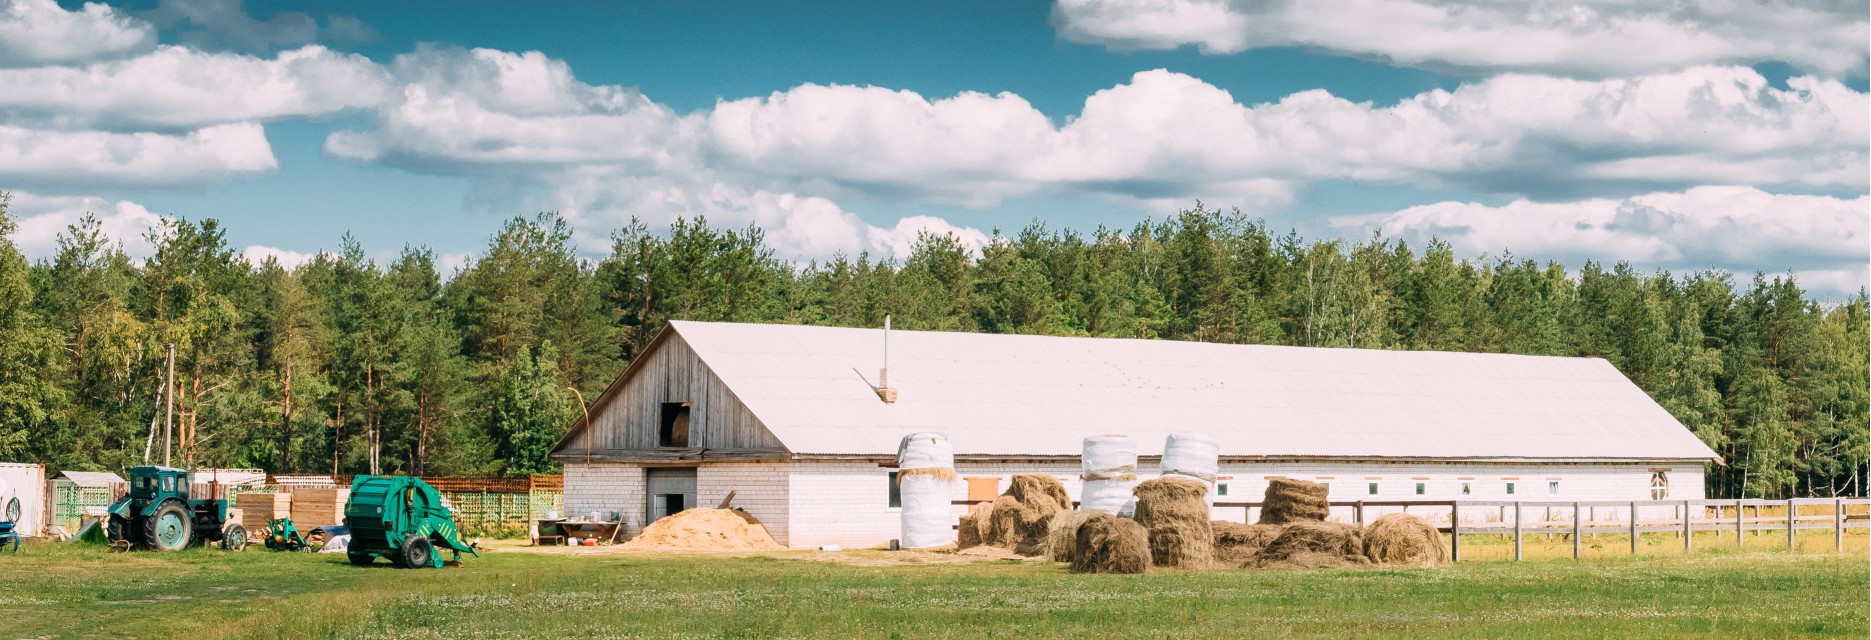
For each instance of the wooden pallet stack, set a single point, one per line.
(256, 508)
(318, 506)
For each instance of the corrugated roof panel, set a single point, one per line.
(1040, 395)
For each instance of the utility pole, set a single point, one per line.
(168, 412)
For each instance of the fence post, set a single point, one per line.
(1740, 525)
(1455, 531)
(1633, 528)
(1516, 530)
(1792, 510)
(1360, 514)
(1575, 531)
(1688, 532)
(1838, 524)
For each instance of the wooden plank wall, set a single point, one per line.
(673, 373)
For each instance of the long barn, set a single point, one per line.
(793, 421)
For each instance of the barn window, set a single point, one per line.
(1465, 489)
(896, 492)
(1419, 488)
(1659, 485)
(1510, 488)
(1373, 488)
(1221, 489)
(674, 431)
(1553, 487)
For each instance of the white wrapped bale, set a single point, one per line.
(925, 482)
(1109, 471)
(1193, 454)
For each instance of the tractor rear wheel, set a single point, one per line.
(234, 537)
(360, 559)
(416, 553)
(169, 528)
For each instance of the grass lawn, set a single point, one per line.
(57, 591)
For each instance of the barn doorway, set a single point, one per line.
(670, 491)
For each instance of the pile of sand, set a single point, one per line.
(1236, 543)
(1108, 544)
(1311, 545)
(704, 530)
(1289, 500)
(1175, 512)
(1403, 539)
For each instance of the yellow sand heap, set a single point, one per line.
(704, 530)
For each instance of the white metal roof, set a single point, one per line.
(1039, 395)
(92, 478)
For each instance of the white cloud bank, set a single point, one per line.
(38, 32)
(42, 218)
(1581, 38)
(1743, 229)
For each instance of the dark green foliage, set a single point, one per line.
(345, 365)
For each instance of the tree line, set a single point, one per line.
(345, 365)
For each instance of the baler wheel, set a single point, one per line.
(416, 553)
(361, 559)
(169, 529)
(234, 537)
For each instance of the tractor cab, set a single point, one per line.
(153, 484)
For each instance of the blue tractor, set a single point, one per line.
(158, 514)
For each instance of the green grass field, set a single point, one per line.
(57, 591)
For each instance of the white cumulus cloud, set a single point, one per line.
(1582, 38)
(50, 160)
(39, 32)
(258, 254)
(179, 87)
(43, 218)
(1742, 229)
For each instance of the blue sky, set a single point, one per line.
(1673, 138)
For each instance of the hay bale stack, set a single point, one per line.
(1173, 510)
(1290, 500)
(1403, 539)
(972, 531)
(1311, 545)
(1236, 543)
(1105, 543)
(1019, 519)
(1040, 492)
(1062, 534)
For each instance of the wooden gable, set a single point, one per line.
(625, 420)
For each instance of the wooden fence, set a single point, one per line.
(1693, 516)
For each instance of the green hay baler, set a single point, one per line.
(401, 519)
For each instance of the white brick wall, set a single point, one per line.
(762, 488)
(605, 487)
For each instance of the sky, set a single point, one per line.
(1672, 135)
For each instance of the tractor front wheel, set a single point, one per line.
(169, 528)
(117, 528)
(416, 553)
(234, 537)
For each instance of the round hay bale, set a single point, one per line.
(1236, 543)
(1039, 492)
(1062, 534)
(1289, 500)
(1310, 545)
(1033, 535)
(1173, 510)
(972, 530)
(1005, 517)
(1403, 539)
(1105, 543)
